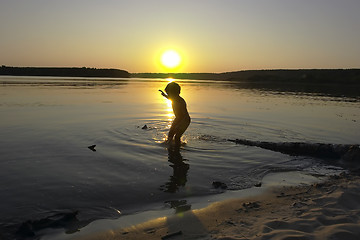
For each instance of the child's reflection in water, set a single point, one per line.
(180, 169)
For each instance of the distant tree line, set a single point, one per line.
(314, 76)
(63, 72)
(284, 76)
(332, 82)
(339, 82)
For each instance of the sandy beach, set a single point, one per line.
(326, 210)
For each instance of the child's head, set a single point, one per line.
(173, 89)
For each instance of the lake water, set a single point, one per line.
(48, 123)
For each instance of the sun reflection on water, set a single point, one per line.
(169, 112)
(168, 117)
(169, 105)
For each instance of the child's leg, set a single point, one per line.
(180, 131)
(171, 133)
(177, 139)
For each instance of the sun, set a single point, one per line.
(170, 59)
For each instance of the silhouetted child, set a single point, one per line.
(182, 117)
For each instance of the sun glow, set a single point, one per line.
(170, 59)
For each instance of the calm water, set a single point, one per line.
(47, 125)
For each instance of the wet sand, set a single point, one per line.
(326, 210)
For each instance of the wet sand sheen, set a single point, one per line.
(323, 210)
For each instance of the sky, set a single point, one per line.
(209, 35)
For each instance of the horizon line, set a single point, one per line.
(243, 70)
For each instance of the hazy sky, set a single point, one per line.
(210, 35)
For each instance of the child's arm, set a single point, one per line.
(164, 94)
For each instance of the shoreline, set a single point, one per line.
(307, 208)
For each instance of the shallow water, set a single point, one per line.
(48, 123)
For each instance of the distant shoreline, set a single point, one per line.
(332, 82)
(302, 75)
(63, 72)
(263, 75)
